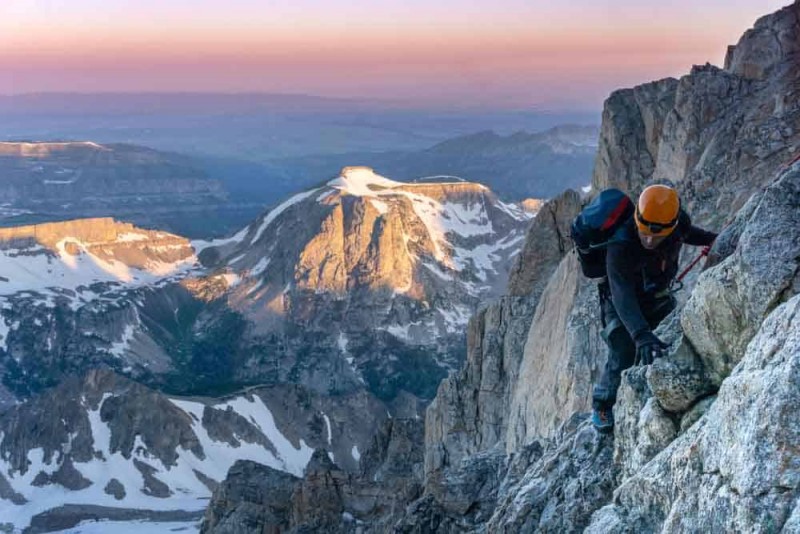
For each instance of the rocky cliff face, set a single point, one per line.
(471, 408)
(717, 133)
(73, 296)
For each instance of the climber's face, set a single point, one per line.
(650, 241)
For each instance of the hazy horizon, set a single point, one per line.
(513, 54)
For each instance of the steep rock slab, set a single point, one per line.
(469, 413)
(737, 468)
(563, 356)
(731, 300)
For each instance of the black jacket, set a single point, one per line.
(636, 275)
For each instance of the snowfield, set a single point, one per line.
(59, 272)
(188, 491)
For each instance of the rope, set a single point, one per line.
(702, 255)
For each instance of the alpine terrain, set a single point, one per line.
(276, 380)
(706, 438)
(138, 366)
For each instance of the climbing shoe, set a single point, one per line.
(603, 420)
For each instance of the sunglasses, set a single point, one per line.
(655, 227)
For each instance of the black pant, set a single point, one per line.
(621, 348)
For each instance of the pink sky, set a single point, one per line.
(503, 53)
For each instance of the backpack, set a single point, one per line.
(594, 227)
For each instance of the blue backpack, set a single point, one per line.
(595, 226)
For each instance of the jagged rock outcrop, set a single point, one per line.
(555, 486)
(253, 498)
(630, 135)
(765, 47)
(327, 498)
(719, 134)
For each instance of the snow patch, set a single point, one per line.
(131, 237)
(231, 279)
(260, 267)
(40, 272)
(118, 348)
(4, 330)
(456, 319)
(328, 426)
(272, 215)
(382, 207)
(342, 342)
(133, 527)
(362, 182)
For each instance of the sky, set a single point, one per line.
(474, 53)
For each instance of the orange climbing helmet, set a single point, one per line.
(657, 211)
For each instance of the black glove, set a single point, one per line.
(648, 348)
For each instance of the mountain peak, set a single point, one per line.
(362, 181)
(771, 42)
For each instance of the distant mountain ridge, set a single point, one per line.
(516, 166)
(46, 181)
(202, 195)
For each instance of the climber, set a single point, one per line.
(635, 296)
